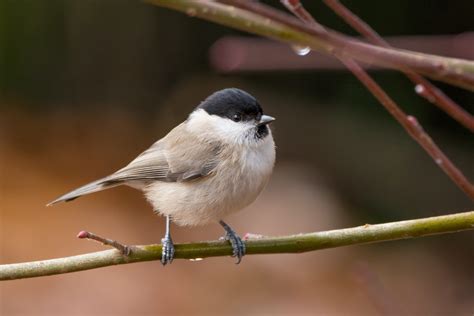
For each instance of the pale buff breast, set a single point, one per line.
(231, 187)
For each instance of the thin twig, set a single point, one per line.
(125, 250)
(408, 122)
(423, 87)
(267, 245)
(413, 128)
(299, 11)
(250, 16)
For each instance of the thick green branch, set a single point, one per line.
(288, 244)
(282, 27)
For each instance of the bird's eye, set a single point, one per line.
(236, 118)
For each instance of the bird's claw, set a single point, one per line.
(126, 251)
(167, 251)
(238, 246)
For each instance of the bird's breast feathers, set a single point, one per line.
(236, 181)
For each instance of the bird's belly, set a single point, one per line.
(198, 202)
(202, 201)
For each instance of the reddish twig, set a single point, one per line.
(410, 123)
(412, 126)
(125, 250)
(423, 87)
(298, 10)
(332, 40)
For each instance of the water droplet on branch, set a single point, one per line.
(196, 259)
(419, 88)
(423, 91)
(301, 50)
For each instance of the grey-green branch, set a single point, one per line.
(268, 245)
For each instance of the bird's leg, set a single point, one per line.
(238, 246)
(167, 252)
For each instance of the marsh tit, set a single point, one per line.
(211, 165)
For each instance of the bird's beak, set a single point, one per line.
(265, 119)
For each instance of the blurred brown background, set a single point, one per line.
(86, 85)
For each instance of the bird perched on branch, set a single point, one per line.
(211, 165)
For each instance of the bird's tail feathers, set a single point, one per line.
(92, 187)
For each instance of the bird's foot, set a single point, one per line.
(167, 252)
(238, 246)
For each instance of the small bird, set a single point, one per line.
(213, 164)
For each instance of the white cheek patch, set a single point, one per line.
(224, 129)
(232, 131)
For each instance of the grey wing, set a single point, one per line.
(178, 157)
(150, 165)
(172, 159)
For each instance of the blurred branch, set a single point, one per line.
(267, 245)
(423, 87)
(234, 54)
(410, 123)
(263, 20)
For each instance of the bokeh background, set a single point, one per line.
(86, 85)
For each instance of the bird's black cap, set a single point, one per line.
(234, 104)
